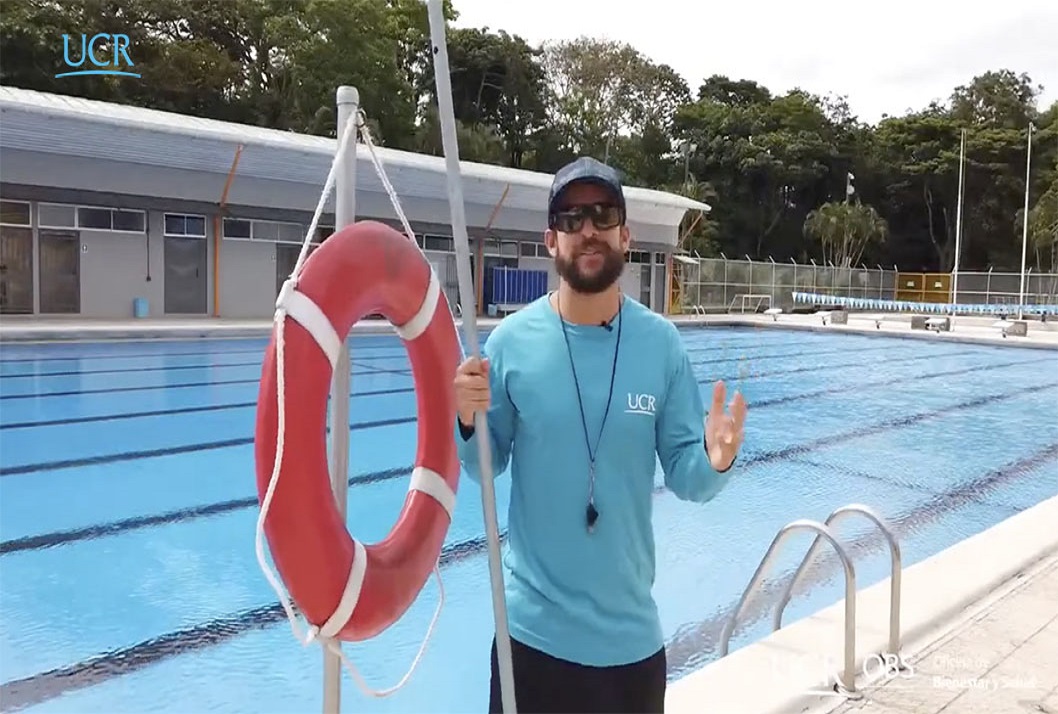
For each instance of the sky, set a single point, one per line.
(885, 57)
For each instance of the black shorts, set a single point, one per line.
(543, 683)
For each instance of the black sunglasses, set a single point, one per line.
(603, 216)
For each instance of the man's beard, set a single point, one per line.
(612, 266)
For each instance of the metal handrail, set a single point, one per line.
(894, 586)
(848, 675)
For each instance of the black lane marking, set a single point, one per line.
(827, 391)
(63, 537)
(163, 387)
(47, 540)
(353, 346)
(239, 405)
(106, 390)
(174, 411)
(691, 646)
(797, 353)
(205, 446)
(897, 423)
(180, 367)
(167, 451)
(50, 540)
(212, 353)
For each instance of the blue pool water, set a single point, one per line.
(127, 509)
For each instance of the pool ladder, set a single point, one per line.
(823, 532)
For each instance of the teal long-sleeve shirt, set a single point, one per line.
(579, 596)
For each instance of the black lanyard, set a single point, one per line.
(592, 513)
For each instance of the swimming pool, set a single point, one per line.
(127, 509)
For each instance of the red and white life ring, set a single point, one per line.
(348, 590)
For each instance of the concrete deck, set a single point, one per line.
(964, 329)
(980, 330)
(986, 607)
(1002, 658)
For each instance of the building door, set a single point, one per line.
(16, 271)
(660, 284)
(286, 258)
(60, 272)
(644, 284)
(185, 276)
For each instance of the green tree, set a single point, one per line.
(845, 230)
(498, 85)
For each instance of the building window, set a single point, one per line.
(129, 221)
(115, 220)
(265, 231)
(291, 233)
(237, 229)
(53, 215)
(182, 225)
(638, 256)
(534, 250)
(14, 213)
(441, 243)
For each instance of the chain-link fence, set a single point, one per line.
(744, 285)
(994, 288)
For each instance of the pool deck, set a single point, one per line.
(978, 633)
(52, 329)
(1003, 657)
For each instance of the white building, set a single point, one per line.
(105, 203)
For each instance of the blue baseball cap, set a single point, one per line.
(585, 170)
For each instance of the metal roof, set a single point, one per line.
(58, 124)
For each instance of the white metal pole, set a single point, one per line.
(450, 144)
(348, 100)
(958, 223)
(1025, 226)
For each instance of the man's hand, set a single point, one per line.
(472, 389)
(723, 431)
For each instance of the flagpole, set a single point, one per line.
(958, 225)
(1025, 226)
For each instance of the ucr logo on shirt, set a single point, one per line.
(640, 404)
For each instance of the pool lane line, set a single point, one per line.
(56, 538)
(242, 405)
(888, 381)
(163, 387)
(174, 411)
(168, 450)
(147, 355)
(180, 367)
(399, 352)
(399, 357)
(839, 470)
(227, 443)
(353, 345)
(692, 644)
(50, 540)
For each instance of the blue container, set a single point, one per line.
(140, 308)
